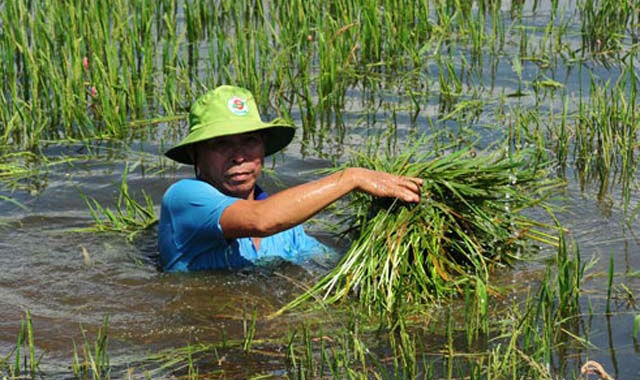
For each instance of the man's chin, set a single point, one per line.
(241, 190)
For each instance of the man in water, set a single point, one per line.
(221, 218)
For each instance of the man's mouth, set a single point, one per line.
(238, 176)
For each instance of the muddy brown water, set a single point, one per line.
(70, 281)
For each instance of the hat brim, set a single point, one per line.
(278, 135)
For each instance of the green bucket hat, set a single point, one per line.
(229, 110)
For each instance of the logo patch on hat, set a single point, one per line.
(238, 106)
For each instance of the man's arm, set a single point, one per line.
(295, 205)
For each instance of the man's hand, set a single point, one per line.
(381, 184)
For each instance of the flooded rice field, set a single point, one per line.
(71, 281)
(535, 74)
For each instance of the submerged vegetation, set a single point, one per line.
(556, 80)
(129, 217)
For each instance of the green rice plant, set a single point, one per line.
(475, 24)
(570, 272)
(92, 362)
(341, 354)
(249, 331)
(25, 363)
(606, 23)
(337, 45)
(183, 358)
(553, 323)
(450, 85)
(606, 136)
(88, 69)
(610, 275)
(544, 325)
(471, 221)
(211, 359)
(561, 139)
(82, 69)
(301, 366)
(129, 217)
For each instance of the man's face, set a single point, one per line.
(231, 163)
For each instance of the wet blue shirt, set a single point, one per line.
(190, 237)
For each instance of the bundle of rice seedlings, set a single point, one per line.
(469, 221)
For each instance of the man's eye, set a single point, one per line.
(252, 139)
(217, 145)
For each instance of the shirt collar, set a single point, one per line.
(259, 194)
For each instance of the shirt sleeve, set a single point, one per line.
(190, 222)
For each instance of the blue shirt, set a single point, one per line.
(190, 237)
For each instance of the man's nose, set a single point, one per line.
(238, 154)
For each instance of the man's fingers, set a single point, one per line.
(414, 184)
(407, 189)
(410, 189)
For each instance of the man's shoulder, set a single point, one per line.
(190, 185)
(190, 189)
